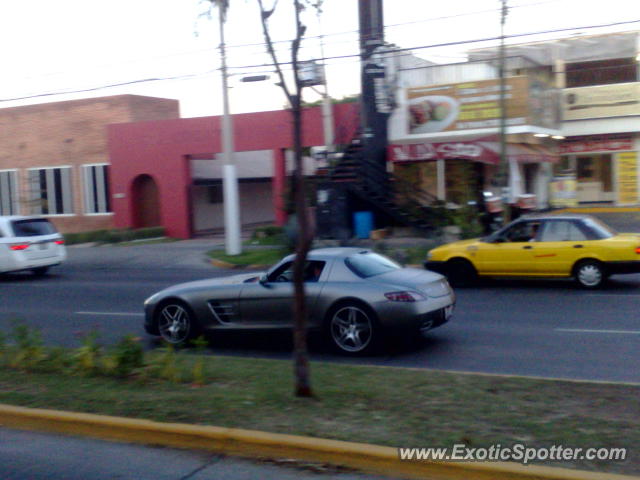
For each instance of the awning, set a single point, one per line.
(523, 152)
(477, 151)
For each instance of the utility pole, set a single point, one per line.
(229, 175)
(503, 175)
(375, 109)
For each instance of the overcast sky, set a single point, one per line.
(69, 45)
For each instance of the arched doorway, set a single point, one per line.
(146, 202)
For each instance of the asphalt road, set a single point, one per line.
(40, 456)
(536, 328)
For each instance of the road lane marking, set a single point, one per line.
(588, 330)
(121, 314)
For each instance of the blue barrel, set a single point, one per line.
(363, 224)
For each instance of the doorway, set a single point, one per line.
(146, 202)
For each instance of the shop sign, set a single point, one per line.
(434, 151)
(476, 105)
(598, 145)
(627, 174)
(563, 191)
(602, 101)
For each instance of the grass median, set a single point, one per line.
(385, 406)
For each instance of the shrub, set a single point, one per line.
(29, 348)
(127, 355)
(87, 358)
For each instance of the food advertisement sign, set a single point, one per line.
(563, 190)
(476, 105)
(627, 173)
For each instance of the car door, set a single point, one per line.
(560, 244)
(510, 253)
(270, 301)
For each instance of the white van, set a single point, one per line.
(29, 243)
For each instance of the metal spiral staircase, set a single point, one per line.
(397, 201)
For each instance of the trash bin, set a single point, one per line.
(362, 224)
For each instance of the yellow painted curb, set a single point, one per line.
(222, 264)
(250, 443)
(598, 210)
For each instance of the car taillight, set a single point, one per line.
(19, 246)
(59, 242)
(404, 296)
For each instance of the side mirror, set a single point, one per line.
(263, 279)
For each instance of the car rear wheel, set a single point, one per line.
(461, 273)
(40, 271)
(176, 323)
(352, 329)
(590, 274)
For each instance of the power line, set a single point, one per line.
(339, 57)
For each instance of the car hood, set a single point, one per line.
(459, 243)
(214, 282)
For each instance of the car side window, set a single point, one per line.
(284, 273)
(313, 270)
(521, 232)
(562, 231)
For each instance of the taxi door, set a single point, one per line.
(512, 253)
(560, 244)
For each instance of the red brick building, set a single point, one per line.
(129, 162)
(54, 159)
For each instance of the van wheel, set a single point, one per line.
(40, 271)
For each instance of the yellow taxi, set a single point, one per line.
(578, 246)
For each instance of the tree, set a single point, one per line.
(304, 236)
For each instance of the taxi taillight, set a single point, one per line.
(19, 246)
(638, 250)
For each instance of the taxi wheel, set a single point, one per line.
(461, 272)
(589, 274)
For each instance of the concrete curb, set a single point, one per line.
(233, 266)
(250, 443)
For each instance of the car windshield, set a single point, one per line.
(369, 264)
(32, 227)
(599, 228)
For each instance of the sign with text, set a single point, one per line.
(627, 174)
(476, 105)
(602, 101)
(619, 144)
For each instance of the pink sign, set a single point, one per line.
(416, 152)
(613, 144)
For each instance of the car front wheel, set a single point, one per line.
(352, 329)
(176, 323)
(590, 274)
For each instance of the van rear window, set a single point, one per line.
(32, 227)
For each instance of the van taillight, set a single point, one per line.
(19, 246)
(60, 242)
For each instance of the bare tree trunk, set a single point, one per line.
(300, 351)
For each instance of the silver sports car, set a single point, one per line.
(353, 296)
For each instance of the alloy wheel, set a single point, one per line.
(351, 329)
(174, 323)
